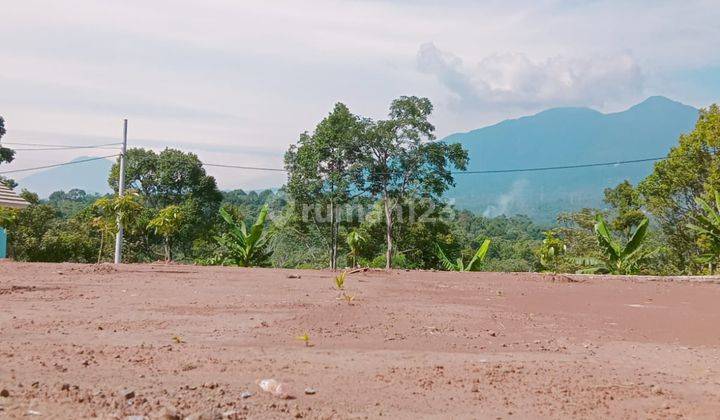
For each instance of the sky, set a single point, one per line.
(236, 82)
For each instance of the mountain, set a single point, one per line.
(89, 176)
(560, 137)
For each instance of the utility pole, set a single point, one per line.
(121, 190)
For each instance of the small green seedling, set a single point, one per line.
(340, 280)
(305, 338)
(346, 297)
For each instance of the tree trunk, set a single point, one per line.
(102, 243)
(388, 231)
(333, 238)
(168, 255)
(336, 234)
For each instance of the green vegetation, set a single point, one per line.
(243, 248)
(340, 280)
(617, 258)
(368, 193)
(354, 240)
(459, 265)
(6, 156)
(167, 223)
(551, 250)
(707, 226)
(305, 338)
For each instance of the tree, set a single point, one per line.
(72, 202)
(6, 156)
(168, 223)
(402, 161)
(616, 258)
(458, 265)
(707, 226)
(170, 177)
(39, 234)
(323, 169)
(691, 170)
(626, 202)
(243, 248)
(113, 209)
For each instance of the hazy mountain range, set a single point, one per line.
(560, 137)
(556, 137)
(90, 176)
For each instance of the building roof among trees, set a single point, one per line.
(8, 198)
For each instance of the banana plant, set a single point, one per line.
(459, 265)
(708, 225)
(616, 258)
(245, 248)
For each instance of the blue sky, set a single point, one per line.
(236, 82)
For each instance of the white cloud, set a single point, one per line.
(251, 74)
(513, 80)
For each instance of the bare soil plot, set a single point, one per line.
(175, 341)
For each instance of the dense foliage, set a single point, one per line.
(368, 193)
(6, 155)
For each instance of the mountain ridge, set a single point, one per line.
(564, 136)
(89, 176)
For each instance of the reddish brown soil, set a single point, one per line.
(188, 341)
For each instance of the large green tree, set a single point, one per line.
(402, 160)
(691, 171)
(323, 171)
(171, 177)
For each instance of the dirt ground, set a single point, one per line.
(170, 341)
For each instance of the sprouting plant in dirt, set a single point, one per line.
(340, 280)
(178, 339)
(347, 298)
(305, 338)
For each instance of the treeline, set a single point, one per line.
(369, 193)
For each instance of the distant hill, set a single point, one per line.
(565, 136)
(89, 176)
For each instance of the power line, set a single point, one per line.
(251, 168)
(46, 149)
(57, 164)
(60, 146)
(259, 168)
(552, 168)
(489, 171)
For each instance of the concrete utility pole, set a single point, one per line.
(121, 190)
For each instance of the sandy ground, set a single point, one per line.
(174, 341)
